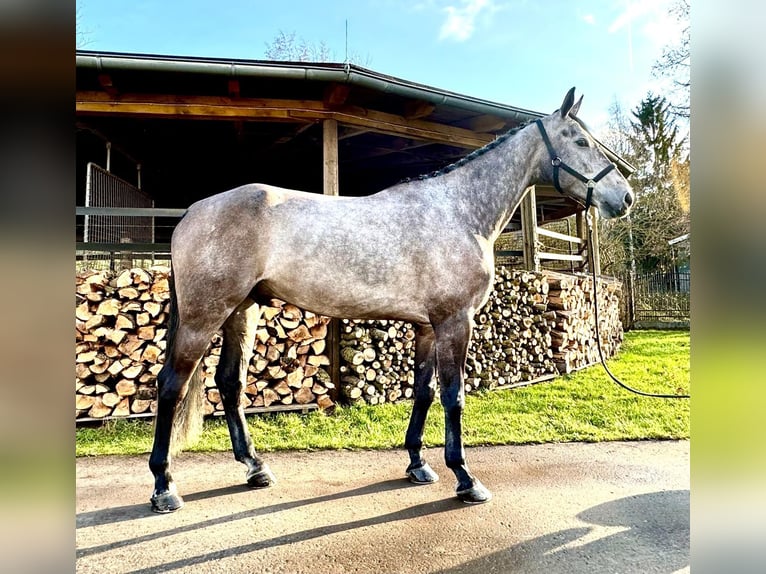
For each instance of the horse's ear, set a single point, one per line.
(567, 104)
(575, 108)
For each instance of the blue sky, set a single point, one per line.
(524, 53)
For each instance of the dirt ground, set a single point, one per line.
(565, 508)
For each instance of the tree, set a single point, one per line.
(287, 47)
(82, 36)
(675, 62)
(649, 140)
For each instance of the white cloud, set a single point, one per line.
(461, 21)
(589, 19)
(653, 16)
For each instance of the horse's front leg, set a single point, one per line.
(419, 472)
(452, 337)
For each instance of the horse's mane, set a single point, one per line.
(471, 156)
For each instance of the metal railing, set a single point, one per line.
(661, 296)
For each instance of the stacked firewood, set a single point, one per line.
(573, 338)
(534, 326)
(120, 329)
(510, 343)
(377, 361)
(120, 337)
(289, 363)
(511, 338)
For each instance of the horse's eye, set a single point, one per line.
(582, 142)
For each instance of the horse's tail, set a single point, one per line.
(187, 423)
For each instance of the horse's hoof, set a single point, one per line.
(422, 475)
(261, 478)
(477, 494)
(165, 502)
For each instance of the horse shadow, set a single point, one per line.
(140, 511)
(116, 514)
(655, 538)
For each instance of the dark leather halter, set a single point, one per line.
(557, 163)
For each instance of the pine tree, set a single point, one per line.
(649, 140)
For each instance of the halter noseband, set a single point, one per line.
(557, 163)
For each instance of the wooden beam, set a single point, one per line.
(486, 123)
(330, 156)
(233, 87)
(594, 253)
(398, 146)
(105, 80)
(224, 108)
(293, 134)
(416, 109)
(557, 235)
(336, 94)
(330, 187)
(352, 133)
(580, 226)
(529, 230)
(560, 256)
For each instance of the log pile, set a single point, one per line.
(377, 361)
(573, 338)
(289, 363)
(534, 325)
(120, 341)
(511, 339)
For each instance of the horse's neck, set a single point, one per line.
(488, 189)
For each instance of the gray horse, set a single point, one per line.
(419, 251)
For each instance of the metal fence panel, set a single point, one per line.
(104, 189)
(662, 296)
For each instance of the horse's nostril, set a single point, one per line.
(628, 199)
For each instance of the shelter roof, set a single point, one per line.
(199, 126)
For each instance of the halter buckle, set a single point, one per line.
(556, 161)
(591, 183)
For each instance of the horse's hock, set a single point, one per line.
(535, 326)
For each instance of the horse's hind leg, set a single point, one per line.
(173, 386)
(419, 472)
(231, 377)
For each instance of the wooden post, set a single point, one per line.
(529, 230)
(581, 232)
(330, 187)
(596, 258)
(330, 152)
(126, 257)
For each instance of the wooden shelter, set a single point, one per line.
(184, 128)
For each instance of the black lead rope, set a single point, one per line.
(598, 333)
(557, 164)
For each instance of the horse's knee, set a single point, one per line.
(425, 394)
(171, 380)
(229, 386)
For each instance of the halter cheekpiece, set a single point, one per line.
(557, 163)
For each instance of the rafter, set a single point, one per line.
(224, 108)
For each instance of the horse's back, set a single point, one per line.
(384, 255)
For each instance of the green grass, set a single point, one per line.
(584, 406)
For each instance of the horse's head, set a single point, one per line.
(577, 166)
